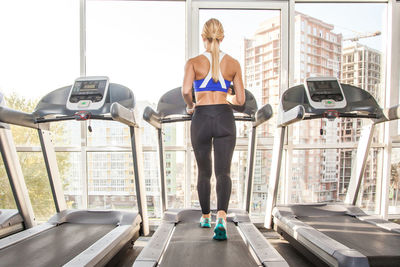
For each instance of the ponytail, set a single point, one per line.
(215, 59)
(214, 33)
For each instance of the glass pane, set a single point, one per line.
(347, 157)
(315, 176)
(66, 133)
(262, 169)
(174, 134)
(253, 38)
(344, 46)
(325, 131)
(368, 201)
(194, 197)
(111, 183)
(238, 174)
(108, 133)
(243, 129)
(175, 178)
(22, 135)
(69, 164)
(152, 181)
(394, 188)
(126, 38)
(149, 133)
(37, 181)
(40, 48)
(323, 175)
(7, 200)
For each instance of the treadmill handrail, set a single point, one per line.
(263, 114)
(392, 113)
(152, 117)
(15, 117)
(155, 119)
(122, 114)
(291, 116)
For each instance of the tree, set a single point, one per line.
(394, 180)
(32, 164)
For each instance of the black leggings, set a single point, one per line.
(213, 124)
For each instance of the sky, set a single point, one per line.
(138, 44)
(350, 19)
(238, 24)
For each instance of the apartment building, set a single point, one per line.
(317, 53)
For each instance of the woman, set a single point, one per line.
(211, 74)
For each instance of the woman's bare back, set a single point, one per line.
(229, 68)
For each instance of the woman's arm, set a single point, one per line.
(239, 98)
(188, 79)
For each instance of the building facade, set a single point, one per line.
(361, 67)
(317, 53)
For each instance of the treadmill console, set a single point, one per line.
(88, 93)
(324, 93)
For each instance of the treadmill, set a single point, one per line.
(14, 220)
(77, 237)
(178, 240)
(10, 222)
(335, 234)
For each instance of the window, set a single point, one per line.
(329, 52)
(124, 47)
(32, 47)
(110, 191)
(7, 198)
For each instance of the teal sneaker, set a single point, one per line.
(220, 230)
(205, 222)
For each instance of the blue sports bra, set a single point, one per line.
(208, 84)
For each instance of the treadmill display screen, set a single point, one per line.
(88, 90)
(321, 90)
(84, 87)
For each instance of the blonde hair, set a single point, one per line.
(214, 33)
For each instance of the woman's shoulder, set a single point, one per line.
(196, 60)
(231, 60)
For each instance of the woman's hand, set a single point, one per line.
(229, 96)
(190, 110)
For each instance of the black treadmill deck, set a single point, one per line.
(180, 241)
(54, 247)
(380, 246)
(193, 246)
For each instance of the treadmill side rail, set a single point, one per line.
(105, 248)
(265, 252)
(21, 236)
(326, 248)
(151, 254)
(379, 222)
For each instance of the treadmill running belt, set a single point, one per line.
(54, 247)
(370, 240)
(193, 246)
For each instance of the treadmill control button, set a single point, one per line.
(84, 103)
(329, 103)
